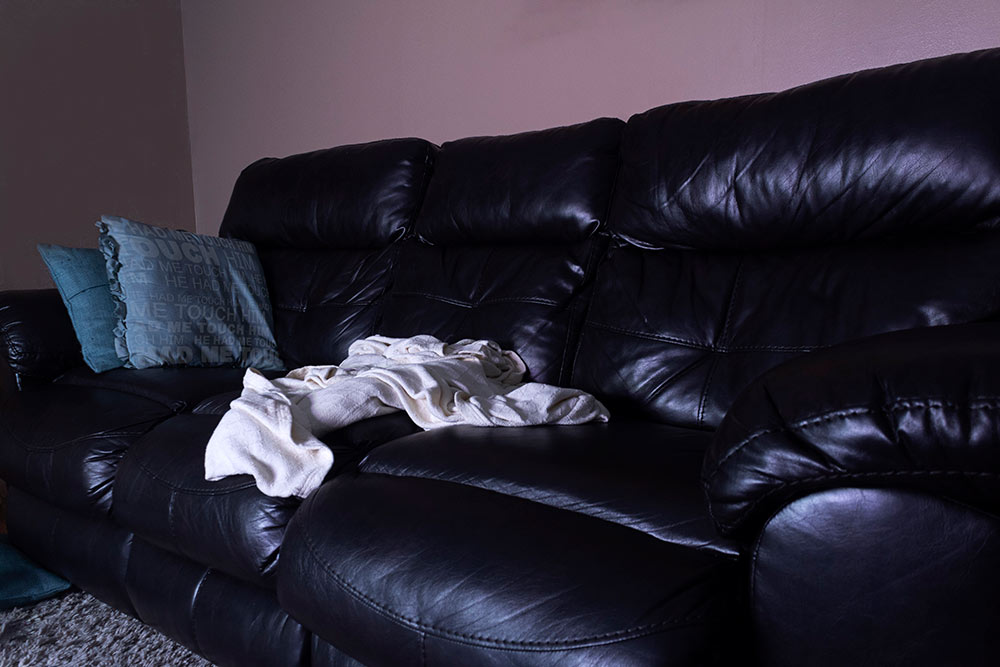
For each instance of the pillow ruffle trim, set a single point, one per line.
(110, 249)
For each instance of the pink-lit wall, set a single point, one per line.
(93, 119)
(273, 78)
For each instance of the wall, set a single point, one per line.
(273, 78)
(93, 120)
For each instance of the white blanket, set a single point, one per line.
(273, 430)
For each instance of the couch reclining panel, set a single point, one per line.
(429, 572)
(220, 618)
(325, 224)
(507, 241)
(750, 230)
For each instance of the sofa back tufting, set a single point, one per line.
(507, 240)
(661, 264)
(750, 230)
(326, 225)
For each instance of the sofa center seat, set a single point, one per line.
(640, 475)
(161, 493)
(507, 546)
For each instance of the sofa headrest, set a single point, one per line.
(549, 186)
(359, 196)
(903, 150)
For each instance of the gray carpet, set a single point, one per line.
(78, 629)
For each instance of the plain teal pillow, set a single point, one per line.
(21, 581)
(81, 277)
(186, 299)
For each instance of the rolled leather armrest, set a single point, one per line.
(38, 340)
(917, 409)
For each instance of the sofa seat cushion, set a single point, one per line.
(179, 389)
(162, 495)
(405, 570)
(640, 475)
(63, 443)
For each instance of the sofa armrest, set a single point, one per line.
(37, 338)
(918, 409)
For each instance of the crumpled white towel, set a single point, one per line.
(272, 430)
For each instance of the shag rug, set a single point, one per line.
(78, 629)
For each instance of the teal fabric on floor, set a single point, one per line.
(23, 582)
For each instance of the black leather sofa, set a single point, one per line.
(788, 301)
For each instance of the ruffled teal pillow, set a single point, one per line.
(186, 299)
(82, 281)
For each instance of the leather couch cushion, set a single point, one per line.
(527, 298)
(63, 444)
(918, 409)
(325, 300)
(217, 404)
(751, 230)
(548, 186)
(507, 243)
(360, 196)
(852, 576)
(895, 151)
(161, 494)
(421, 571)
(179, 389)
(325, 224)
(640, 475)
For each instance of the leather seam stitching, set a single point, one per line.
(75, 441)
(890, 474)
(194, 607)
(611, 637)
(708, 347)
(82, 438)
(599, 263)
(483, 302)
(900, 404)
(190, 490)
(517, 492)
(336, 303)
(722, 337)
(573, 303)
(986, 403)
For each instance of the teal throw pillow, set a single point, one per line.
(186, 299)
(82, 281)
(23, 582)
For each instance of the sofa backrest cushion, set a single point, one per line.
(507, 241)
(548, 186)
(894, 151)
(326, 225)
(753, 229)
(349, 197)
